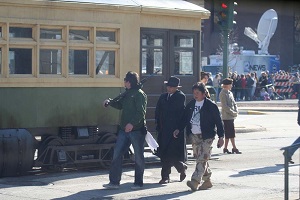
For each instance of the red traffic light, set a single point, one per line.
(224, 6)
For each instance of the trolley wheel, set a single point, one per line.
(48, 156)
(106, 155)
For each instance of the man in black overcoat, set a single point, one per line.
(168, 113)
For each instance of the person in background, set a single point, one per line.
(253, 87)
(204, 79)
(243, 87)
(238, 87)
(263, 80)
(297, 141)
(216, 84)
(234, 85)
(257, 88)
(132, 131)
(249, 83)
(229, 114)
(264, 95)
(210, 80)
(168, 113)
(202, 121)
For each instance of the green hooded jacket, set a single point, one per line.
(133, 107)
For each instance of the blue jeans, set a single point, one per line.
(124, 140)
(292, 150)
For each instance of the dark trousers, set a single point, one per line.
(166, 167)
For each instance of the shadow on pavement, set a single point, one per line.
(44, 178)
(105, 194)
(262, 170)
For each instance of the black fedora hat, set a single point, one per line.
(173, 82)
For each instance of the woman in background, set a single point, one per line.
(229, 113)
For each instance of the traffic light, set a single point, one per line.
(223, 14)
(226, 14)
(232, 14)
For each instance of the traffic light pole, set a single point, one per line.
(225, 52)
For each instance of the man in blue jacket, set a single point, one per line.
(203, 121)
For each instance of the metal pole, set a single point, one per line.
(225, 53)
(286, 174)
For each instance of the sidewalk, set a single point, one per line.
(257, 173)
(259, 107)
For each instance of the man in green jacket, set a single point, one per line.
(132, 131)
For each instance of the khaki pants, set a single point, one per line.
(202, 150)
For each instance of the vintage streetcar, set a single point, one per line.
(60, 59)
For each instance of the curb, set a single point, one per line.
(251, 112)
(240, 129)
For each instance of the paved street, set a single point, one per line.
(257, 174)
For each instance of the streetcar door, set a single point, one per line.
(173, 53)
(184, 59)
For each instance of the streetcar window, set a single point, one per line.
(19, 32)
(106, 36)
(152, 52)
(79, 35)
(183, 62)
(183, 41)
(20, 61)
(78, 62)
(152, 57)
(0, 31)
(184, 54)
(105, 62)
(55, 34)
(152, 40)
(50, 61)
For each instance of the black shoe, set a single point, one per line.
(291, 161)
(236, 151)
(182, 176)
(183, 173)
(164, 181)
(226, 151)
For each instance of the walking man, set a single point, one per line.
(168, 113)
(203, 121)
(132, 131)
(204, 79)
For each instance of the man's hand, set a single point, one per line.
(220, 142)
(106, 103)
(175, 133)
(128, 127)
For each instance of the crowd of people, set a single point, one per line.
(253, 86)
(200, 118)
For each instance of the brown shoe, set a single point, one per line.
(164, 181)
(206, 185)
(193, 184)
